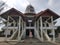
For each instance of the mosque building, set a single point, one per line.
(30, 24)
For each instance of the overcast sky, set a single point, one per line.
(39, 5)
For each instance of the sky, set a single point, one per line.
(39, 5)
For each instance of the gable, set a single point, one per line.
(12, 12)
(45, 14)
(48, 13)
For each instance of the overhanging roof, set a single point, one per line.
(12, 12)
(15, 13)
(46, 13)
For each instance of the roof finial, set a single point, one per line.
(29, 2)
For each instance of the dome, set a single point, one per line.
(30, 9)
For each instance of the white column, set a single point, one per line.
(7, 27)
(36, 32)
(53, 28)
(46, 34)
(45, 26)
(41, 28)
(23, 28)
(38, 26)
(23, 31)
(13, 26)
(19, 27)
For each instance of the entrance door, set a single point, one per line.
(29, 29)
(30, 33)
(27, 32)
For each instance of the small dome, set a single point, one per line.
(30, 9)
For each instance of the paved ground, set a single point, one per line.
(4, 44)
(26, 42)
(2, 39)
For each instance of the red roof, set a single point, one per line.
(47, 13)
(13, 12)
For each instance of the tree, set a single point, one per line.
(2, 5)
